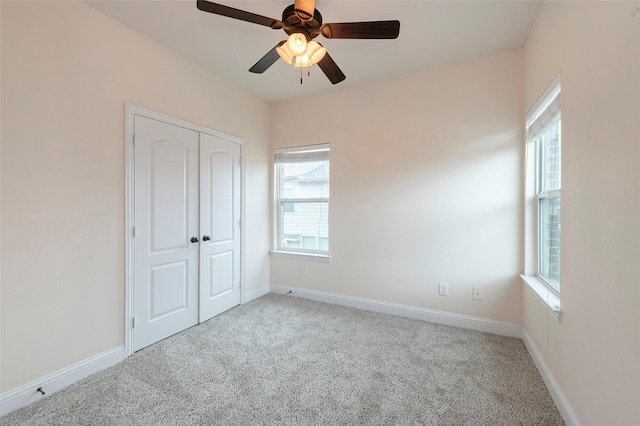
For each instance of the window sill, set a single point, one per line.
(302, 256)
(548, 297)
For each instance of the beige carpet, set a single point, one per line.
(281, 360)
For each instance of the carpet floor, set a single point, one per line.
(281, 360)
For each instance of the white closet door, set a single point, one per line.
(166, 220)
(219, 225)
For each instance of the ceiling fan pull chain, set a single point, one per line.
(300, 76)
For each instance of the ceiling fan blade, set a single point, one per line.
(331, 69)
(304, 9)
(362, 30)
(242, 15)
(267, 60)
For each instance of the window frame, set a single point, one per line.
(545, 115)
(298, 154)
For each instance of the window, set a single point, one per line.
(543, 131)
(302, 200)
(288, 207)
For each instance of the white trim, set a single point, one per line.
(456, 320)
(134, 109)
(567, 413)
(304, 200)
(243, 220)
(302, 256)
(549, 194)
(128, 229)
(543, 98)
(26, 394)
(130, 112)
(252, 295)
(545, 293)
(301, 149)
(423, 314)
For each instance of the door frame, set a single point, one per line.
(131, 111)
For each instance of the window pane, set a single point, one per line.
(549, 240)
(309, 242)
(549, 159)
(308, 219)
(324, 243)
(304, 180)
(287, 207)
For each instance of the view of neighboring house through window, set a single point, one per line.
(302, 199)
(543, 129)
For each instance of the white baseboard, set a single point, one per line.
(252, 295)
(430, 315)
(447, 318)
(567, 413)
(26, 394)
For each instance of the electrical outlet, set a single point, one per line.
(478, 293)
(304, 271)
(444, 289)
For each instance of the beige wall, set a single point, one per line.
(67, 72)
(425, 187)
(594, 353)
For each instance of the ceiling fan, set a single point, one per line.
(302, 22)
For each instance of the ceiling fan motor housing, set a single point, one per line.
(293, 24)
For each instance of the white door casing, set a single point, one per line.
(219, 225)
(206, 275)
(166, 218)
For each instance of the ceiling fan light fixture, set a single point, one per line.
(302, 22)
(297, 44)
(285, 53)
(315, 52)
(302, 61)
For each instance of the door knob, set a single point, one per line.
(206, 238)
(194, 239)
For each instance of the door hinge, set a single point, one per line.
(133, 232)
(134, 139)
(133, 322)
(239, 161)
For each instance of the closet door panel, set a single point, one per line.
(220, 197)
(166, 218)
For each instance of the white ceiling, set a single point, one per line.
(432, 33)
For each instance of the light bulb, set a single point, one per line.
(297, 44)
(315, 52)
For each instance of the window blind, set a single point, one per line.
(313, 153)
(546, 114)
